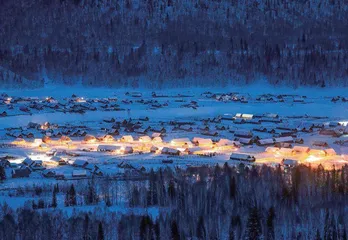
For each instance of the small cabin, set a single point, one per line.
(270, 120)
(19, 141)
(89, 139)
(142, 130)
(288, 139)
(253, 121)
(21, 172)
(330, 152)
(181, 142)
(298, 99)
(271, 115)
(145, 139)
(107, 138)
(59, 160)
(210, 133)
(331, 132)
(113, 132)
(317, 152)
(49, 173)
(65, 139)
(144, 119)
(159, 130)
(239, 121)
(80, 163)
(108, 148)
(217, 127)
(289, 163)
(224, 142)
(157, 140)
(285, 151)
(3, 114)
(192, 150)
(334, 124)
(109, 120)
(127, 150)
(242, 157)
(271, 149)
(243, 134)
(153, 149)
(202, 141)
(186, 128)
(170, 151)
(246, 141)
(127, 138)
(156, 134)
(283, 145)
(300, 149)
(46, 139)
(320, 144)
(79, 173)
(260, 129)
(265, 142)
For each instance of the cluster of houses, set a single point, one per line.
(339, 98)
(81, 168)
(208, 137)
(245, 98)
(73, 104)
(270, 130)
(290, 156)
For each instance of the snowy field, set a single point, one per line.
(68, 134)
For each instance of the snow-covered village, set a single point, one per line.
(173, 120)
(131, 133)
(125, 138)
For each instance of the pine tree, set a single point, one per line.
(146, 227)
(152, 197)
(100, 232)
(232, 187)
(143, 227)
(175, 235)
(66, 199)
(92, 196)
(270, 224)
(344, 234)
(2, 173)
(253, 227)
(54, 200)
(86, 228)
(317, 236)
(157, 230)
(327, 232)
(231, 233)
(70, 197)
(201, 232)
(171, 189)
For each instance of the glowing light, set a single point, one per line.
(343, 123)
(312, 158)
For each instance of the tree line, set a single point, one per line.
(220, 202)
(164, 43)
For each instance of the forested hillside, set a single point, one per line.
(200, 203)
(164, 43)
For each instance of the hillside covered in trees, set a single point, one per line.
(198, 203)
(164, 43)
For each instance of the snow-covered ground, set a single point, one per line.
(172, 110)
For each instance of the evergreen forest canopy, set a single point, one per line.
(198, 203)
(165, 43)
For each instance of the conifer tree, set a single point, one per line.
(100, 232)
(175, 235)
(253, 227)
